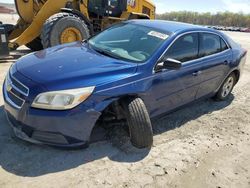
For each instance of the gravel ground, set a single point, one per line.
(203, 145)
(8, 18)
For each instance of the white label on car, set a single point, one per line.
(158, 35)
(3, 39)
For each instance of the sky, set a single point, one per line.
(203, 5)
(196, 5)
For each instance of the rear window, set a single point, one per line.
(223, 45)
(209, 44)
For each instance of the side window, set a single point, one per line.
(223, 45)
(146, 10)
(184, 49)
(209, 44)
(113, 3)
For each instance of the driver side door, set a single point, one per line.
(174, 88)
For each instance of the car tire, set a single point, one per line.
(139, 123)
(35, 45)
(226, 88)
(57, 24)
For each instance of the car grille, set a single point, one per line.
(15, 91)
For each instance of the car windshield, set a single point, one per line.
(129, 41)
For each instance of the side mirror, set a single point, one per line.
(168, 63)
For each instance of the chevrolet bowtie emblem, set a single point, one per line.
(9, 87)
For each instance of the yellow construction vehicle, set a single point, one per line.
(46, 23)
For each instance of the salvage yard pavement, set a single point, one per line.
(206, 144)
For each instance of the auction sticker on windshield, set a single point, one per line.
(158, 35)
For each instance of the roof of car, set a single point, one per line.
(169, 26)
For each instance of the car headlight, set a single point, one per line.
(62, 100)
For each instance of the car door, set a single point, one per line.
(173, 88)
(216, 56)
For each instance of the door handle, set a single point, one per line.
(197, 73)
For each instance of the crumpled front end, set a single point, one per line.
(68, 128)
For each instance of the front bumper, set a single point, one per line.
(56, 133)
(70, 128)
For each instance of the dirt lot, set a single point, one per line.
(8, 18)
(203, 145)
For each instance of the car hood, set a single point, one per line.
(74, 62)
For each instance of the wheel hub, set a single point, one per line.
(227, 87)
(70, 34)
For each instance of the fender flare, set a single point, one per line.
(233, 70)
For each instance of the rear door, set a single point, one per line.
(216, 56)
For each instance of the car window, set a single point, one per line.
(209, 44)
(184, 48)
(223, 45)
(129, 41)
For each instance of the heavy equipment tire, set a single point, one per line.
(226, 88)
(140, 128)
(35, 45)
(63, 24)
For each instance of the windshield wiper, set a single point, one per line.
(107, 53)
(84, 41)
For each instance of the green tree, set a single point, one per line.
(220, 18)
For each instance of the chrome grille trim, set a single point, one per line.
(12, 93)
(10, 77)
(10, 101)
(24, 93)
(9, 83)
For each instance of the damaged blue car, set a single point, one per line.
(133, 71)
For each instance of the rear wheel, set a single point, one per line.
(140, 128)
(63, 28)
(226, 88)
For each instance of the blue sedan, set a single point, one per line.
(131, 72)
